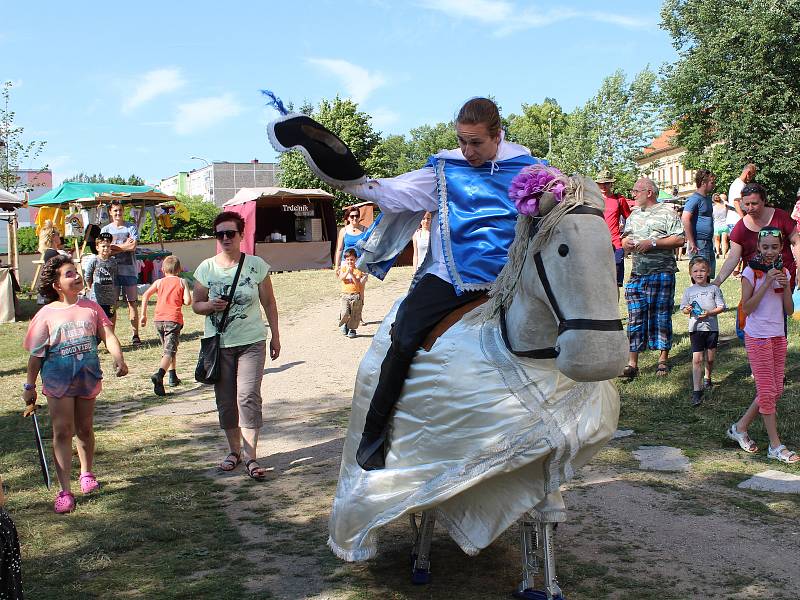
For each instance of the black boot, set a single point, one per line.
(158, 383)
(371, 453)
(173, 378)
(374, 444)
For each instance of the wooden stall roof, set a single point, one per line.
(9, 201)
(272, 196)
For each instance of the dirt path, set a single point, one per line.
(653, 535)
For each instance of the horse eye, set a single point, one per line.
(563, 250)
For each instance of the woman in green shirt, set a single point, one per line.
(243, 342)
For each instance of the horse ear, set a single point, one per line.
(547, 202)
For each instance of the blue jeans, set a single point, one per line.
(705, 248)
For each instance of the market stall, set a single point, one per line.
(74, 207)
(9, 203)
(290, 229)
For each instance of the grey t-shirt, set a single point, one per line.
(126, 261)
(103, 274)
(708, 297)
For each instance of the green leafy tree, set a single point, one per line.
(343, 118)
(537, 126)
(427, 140)
(99, 178)
(734, 93)
(14, 152)
(575, 147)
(202, 215)
(397, 152)
(27, 240)
(611, 129)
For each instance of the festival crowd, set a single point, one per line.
(756, 242)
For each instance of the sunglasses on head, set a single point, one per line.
(769, 231)
(225, 233)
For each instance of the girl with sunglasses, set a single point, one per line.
(744, 236)
(766, 299)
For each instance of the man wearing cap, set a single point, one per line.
(698, 219)
(617, 209)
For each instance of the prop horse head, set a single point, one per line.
(561, 264)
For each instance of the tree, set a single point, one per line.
(202, 218)
(575, 148)
(99, 178)
(397, 152)
(537, 126)
(343, 118)
(734, 93)
(611, 129)
(14, 152)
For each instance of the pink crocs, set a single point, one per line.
(88, 483)
(65, 503)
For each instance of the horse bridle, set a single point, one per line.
(563, 323)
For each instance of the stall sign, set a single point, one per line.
(299, 210)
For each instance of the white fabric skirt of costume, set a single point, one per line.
(480, 434)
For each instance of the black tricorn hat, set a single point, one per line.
(326, 155)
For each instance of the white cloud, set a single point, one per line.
(152, 84)
(383, 118)
(357, 81)
(204, 113)
(487, 11)
(508, 18)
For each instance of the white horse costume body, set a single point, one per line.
(480, 433)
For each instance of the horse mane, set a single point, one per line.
(579, 190)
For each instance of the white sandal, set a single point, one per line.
(788, 457)
(741, 438)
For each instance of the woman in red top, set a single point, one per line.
(744, 237)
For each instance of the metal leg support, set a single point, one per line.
(537, 548)
(421, 552)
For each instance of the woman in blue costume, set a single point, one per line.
(467, 191)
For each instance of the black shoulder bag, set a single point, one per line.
(207, 370)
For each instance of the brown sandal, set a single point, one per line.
(230, 462)
(256, 472)
(662, 370)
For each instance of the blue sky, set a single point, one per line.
(142, 87)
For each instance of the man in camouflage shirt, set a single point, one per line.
(651, 234)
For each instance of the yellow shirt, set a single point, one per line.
(352, 287)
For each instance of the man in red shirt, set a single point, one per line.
(617, 208)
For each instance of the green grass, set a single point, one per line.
(159, 528)
(658, 409)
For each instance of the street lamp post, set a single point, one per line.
(208, 163)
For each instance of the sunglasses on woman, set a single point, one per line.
(225, 233)
(769, 231)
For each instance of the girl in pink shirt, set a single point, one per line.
(766, 299)
(62, 339)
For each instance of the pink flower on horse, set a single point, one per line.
(527, 187)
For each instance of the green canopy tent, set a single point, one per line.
(89, 195)
(663, 196)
